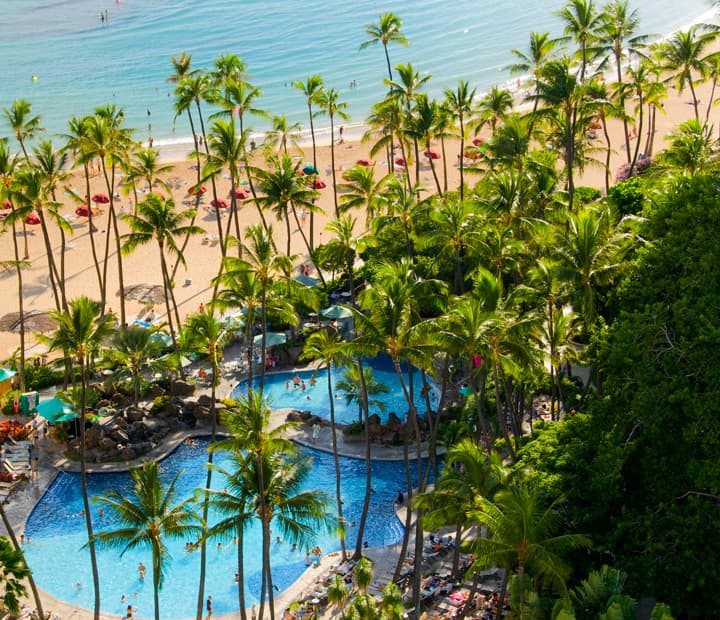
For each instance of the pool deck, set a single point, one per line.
(53, 461)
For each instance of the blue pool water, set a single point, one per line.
(57, 535)
(81, 62)
(315, 398)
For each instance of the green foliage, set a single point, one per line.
(585, 195)
(159, 403)
(41, 377)
(14, 571)
(627, 198)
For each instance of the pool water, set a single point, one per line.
(57, 533)
(281, 393)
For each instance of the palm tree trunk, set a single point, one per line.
(434, 172)
(608, 154)
(445, 168)
(18, 270)
(332, 165)
(336, 460)
(241, 573)
(387, 60)
(501, 414)
(156, 582)
(52, 267)
(462, 160)
(83, 482)
(368, 461)
(91, 230)
(639, 133)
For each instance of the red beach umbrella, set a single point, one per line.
(319, 184)
(101, 198)
(364, 162)
(7, 204)
(478, 141)
(81, 211)
(240, 194)
(33, 219)
(432, 154)
(220, 203)
(400, 161)
(471, 153)
(195, 190)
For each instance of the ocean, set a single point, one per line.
(65, 60)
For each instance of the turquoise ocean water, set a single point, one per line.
(81, 63)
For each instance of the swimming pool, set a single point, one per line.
(281, 393)
(57, 533)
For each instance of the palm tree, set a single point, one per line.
(617, 37)
(683, 56)
(521, 538)
(249, 424)
(387, 30)
(133, 350)
(157, 220)
(324, 347)
(328, 102)
(145, 518)
(540, 50)
(582, 22)
(312, 88)
(422, 123)
(361, 191)
(605, 107)
(459, 102)
(692, 149)
(146, 165)
(494, 107)
(81, 331)
(281, 132)
(284, 191)
(14, 570)
(23, 124)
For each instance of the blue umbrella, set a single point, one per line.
(336, 312)
(272, 339)
(310, 169)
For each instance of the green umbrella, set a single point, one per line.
(233, 323)
(310, 169)
(336, 312)
(161, 337)
(271, 339)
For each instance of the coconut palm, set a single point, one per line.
(582, 22)
(145, 165)
(493, 108)
(386, 31)
(133, 351)
(459, 102)
(146, 518)
(206, 336)
(361, 191)
(540, 50)
(422, 123)
(324, 347)
(281, 132)
(692, 149)
(522, 538)
(604, 105)
(329, 103)
(80, 333)
(157, 220)
(284, 191)
(385, 121)
(685, 58)
(617, 37)
(23, 125)
(342, 249)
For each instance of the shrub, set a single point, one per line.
(159, 403)
(585, 195)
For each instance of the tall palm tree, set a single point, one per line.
(206, 336)
(284, 191)
(540, 50)
(685, 57)
(80, 333)
(329, 103)
(158, 220)
(521, 538)
(146, 518)
(146, 165)
(386, 31)
(24, 126)
(494, 107)
(361, 191)
(582, 22)
(617, 36)
(281, 132)
(311, 88)
(324, 347)
(459, 102)
(422, 123)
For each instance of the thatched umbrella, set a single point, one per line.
(34, 321)
(144, 293)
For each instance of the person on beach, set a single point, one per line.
(315, 433)
(209, 606)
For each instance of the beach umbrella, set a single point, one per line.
(161, 338)
(336, 312)
(7, 204)
(478, 141)
(272, 339)
(101, 198)
(195, 190)
(240, 194)
(35, 321)
(432, 154)
(220, 203)
(319, 184)
(33, 219)
(144, 293)
(81, 211)
(400, 161)
(310, 169)
(364, 162)
(306, 280)
(233, 322)
(471, 153)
